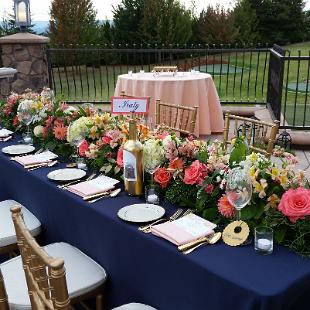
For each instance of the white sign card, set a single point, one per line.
(126, 105)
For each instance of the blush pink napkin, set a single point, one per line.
(45, 157)
(179, 235)
(88, 188)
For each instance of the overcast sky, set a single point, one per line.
(40, 8)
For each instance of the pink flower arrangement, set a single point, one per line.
(119, 159)
(295, 204)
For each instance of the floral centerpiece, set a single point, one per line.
(8, 111)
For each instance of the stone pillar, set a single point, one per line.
(26, 53)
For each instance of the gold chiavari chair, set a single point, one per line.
(8, 242)
(159, 69)
(4, 304)
(46, 280)
(176, 117)
(260, 136)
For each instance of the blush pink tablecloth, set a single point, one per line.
(185, 88)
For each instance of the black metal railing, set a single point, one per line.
(90, 74)
(242, 75)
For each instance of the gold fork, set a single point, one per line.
(147, 229)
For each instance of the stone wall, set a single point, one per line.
(26, 53)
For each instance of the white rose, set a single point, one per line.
(38, 131)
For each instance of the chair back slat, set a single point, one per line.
(257, 133)
(181, 118)
(45, 276)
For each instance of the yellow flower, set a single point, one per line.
(38, 105)
(259, 187)
(273, 201)
(97, 119)
(283, 179)
(233, 141)
(93, 132)
(274, 173)
(253, 157)
(252, 172)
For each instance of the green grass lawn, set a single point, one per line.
(248, 84)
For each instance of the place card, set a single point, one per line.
(236, 233)
(126, 105)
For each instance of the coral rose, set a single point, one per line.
(162, 177)
(225, 208)
(119, 159)
(195, 173)
(83, 147)
(295, 203)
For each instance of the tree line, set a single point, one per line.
(164, 22)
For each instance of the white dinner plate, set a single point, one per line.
(18, 149)
(67, 174)
(140, 213)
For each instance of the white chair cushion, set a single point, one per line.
(83, 274)
(134, 306)
(7, 230)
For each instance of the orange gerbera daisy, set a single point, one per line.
(60, 132)
(225, 208)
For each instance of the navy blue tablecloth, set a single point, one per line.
(145, 268)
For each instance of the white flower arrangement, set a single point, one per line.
(153, 154)
(79, 128)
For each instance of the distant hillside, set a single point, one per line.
(40, 26)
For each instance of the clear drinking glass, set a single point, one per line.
(26, 119)
(239, 189)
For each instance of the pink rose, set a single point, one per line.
(119, 159)
(162, 177)
(83, 147)
(106, 140)
(195, 173)
(295, 203)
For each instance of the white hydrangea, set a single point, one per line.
(153, 154)
(167, 141)
(79, 128)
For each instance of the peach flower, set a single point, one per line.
(119, 159)
(83, 148)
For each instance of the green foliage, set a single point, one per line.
(239, 151)
(151, 21)
(215, 25)
(245, 20)
(180, 194)
(73, 22)
(280, 21)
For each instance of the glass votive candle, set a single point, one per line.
(81, 164)
(152, 195)
(263, 240)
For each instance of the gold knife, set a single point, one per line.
(188, 245)
(37, 165)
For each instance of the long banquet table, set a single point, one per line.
(145, 268)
